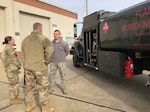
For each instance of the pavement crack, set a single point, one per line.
(5, 107)
(80, 74)
(88, 102)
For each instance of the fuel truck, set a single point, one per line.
(117, 43)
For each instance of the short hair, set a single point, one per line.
(57, 31)
(36, 26)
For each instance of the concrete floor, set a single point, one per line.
(88, 91)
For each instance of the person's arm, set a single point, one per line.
(13, 57)
(48, 50)
(67, 49)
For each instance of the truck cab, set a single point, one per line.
(84, 49)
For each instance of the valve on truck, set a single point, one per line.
(129, 68)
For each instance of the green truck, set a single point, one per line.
(116, 43)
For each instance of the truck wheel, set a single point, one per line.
(75, 60)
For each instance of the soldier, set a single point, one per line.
(36, 54)
(12, 65)
(61, 50)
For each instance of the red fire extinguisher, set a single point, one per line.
(129, 68)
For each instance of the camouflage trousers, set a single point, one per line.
(13, 80)
(53, 69)
(36, 80)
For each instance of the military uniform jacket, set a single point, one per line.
(36, 52)
(10, 59)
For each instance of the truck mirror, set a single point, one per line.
(75, 35)
(75, 25)
(75, 30)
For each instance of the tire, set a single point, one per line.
(75, 60)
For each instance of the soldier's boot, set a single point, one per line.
(30, 107)
(64, 91)
(46, 109)
(15, 101)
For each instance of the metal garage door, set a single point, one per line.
(2, 27)
(27, 21)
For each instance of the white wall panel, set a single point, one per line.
(2, 27)
(26, 24)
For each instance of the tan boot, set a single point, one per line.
(30, 107)
(46, 109)
(15, 101)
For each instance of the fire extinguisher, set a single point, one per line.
(129, 68)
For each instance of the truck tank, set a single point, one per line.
(128, 29)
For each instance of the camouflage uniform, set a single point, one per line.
(12, 66)
(41, 78)
(36, 55)
(53, 69)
